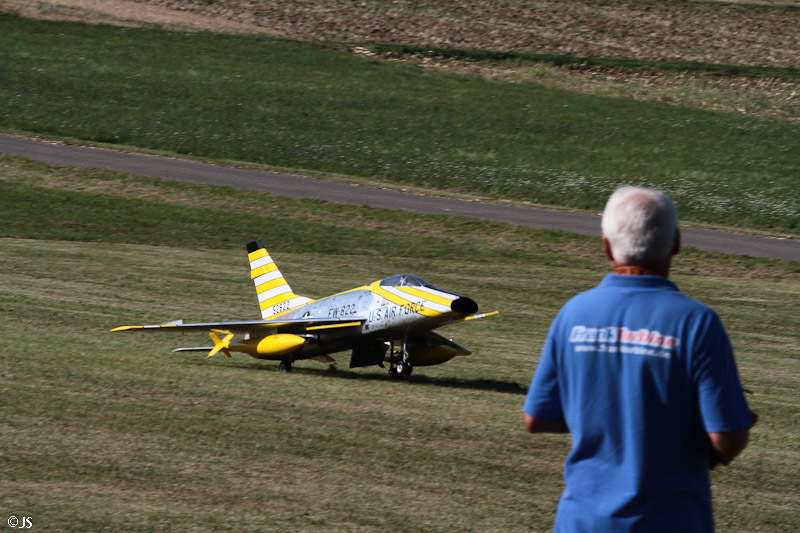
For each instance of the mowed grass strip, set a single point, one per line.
(112, 431)
(296, 105)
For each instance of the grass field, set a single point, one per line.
(107, 431)
(286, 103)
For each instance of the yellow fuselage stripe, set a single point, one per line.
(428, 296)
(376, 288)
(332, 326)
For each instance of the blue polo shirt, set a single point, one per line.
(640, 373)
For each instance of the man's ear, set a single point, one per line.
(607, 249)
(677, 246)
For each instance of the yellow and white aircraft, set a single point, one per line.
(390, 320)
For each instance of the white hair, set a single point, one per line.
(640, 224)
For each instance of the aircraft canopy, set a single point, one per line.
(405, 280)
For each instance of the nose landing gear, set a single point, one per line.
(403, 368)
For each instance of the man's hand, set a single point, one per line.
(537, 425)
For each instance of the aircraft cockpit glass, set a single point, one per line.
(405, 280)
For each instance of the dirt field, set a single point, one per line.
(671, 31)
(723, 33)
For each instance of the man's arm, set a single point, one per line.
(538, 425)
(720, 394)
(727, 445)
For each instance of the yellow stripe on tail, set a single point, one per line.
(275, 296)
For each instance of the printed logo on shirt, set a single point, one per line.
(613, 339)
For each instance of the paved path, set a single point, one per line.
(300, 187)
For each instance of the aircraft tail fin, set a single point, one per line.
(275, 296)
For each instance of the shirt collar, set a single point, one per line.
(648, 282)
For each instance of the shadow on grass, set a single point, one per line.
(455, 383)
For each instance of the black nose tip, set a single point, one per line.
(464, 305)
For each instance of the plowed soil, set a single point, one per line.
(729, 33)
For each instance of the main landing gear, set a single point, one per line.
(403, 368)
(285, 366)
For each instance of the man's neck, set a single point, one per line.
(640, 270)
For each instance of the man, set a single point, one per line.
(644, 380)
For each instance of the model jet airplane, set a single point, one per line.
(391, 320)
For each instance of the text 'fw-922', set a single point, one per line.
(388, 321)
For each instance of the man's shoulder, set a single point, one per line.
(619, 289)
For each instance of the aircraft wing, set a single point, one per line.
(249, 326)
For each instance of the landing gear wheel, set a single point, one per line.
(285, 366)
(403, 369)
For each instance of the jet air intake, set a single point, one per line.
(464, 305)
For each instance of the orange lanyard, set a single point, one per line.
(632, 270)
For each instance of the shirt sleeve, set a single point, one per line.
(721, 398)
(544, 400)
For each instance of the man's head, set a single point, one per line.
(640, 227)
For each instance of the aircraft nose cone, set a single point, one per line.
(464, 305)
